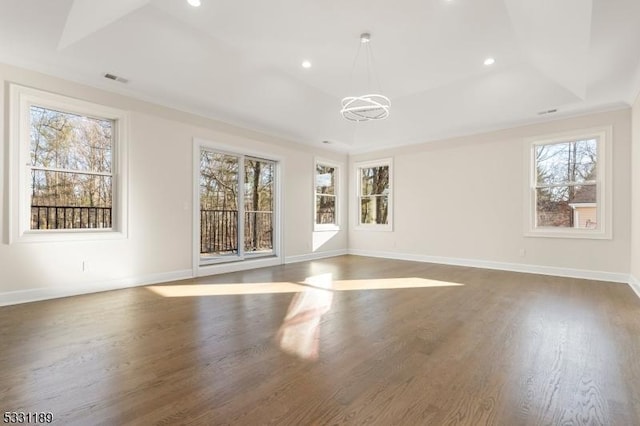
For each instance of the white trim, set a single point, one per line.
(337, 188)
(37, 294)
(485, 130)
(369, 164)
(21, 98)
(231, 264)
(634, 283)
(315, 256)
(501, 266)
(604, 135)
(634, 89)
(239, 265)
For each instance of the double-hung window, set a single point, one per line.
(568, 185)
(374, 195)
(326, 196)
(68, 167)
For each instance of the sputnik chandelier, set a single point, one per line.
(366, 107)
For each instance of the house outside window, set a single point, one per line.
(326, 196)
(68, 167)
(375, 195)
(568, 185)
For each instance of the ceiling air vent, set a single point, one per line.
(549, 111)
(116, 78)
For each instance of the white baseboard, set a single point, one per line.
(37, 294)
(315, 256)
(635, 284)
(502, 266)
(224, 268)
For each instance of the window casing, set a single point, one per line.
(374, 186)
(236, 206)
(569, 185)
(326, 196)
(67, 168)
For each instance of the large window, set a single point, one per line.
(567, 191)
(375, 203)
(237, 206)
(67, 157)
(326, 196)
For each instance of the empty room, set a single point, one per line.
(306, 212)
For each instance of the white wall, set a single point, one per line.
(463, 199)
(160, 199)
(635, 196)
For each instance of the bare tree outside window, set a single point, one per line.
(220, 190)
(259, 203)
(325, 193)
(566, 184)
(71, 170)
(374, 195)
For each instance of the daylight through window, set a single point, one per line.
(71, 170)
(68, 168)
(569, 186)
(374, 194)
(326, 201)
(566, 184)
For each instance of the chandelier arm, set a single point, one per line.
(353, 67)
(376, 77)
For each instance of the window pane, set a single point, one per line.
(374, 210)
(67, 141)
(566, 162)
(62, 200)
(374, 180)
(325, 209)
(218, 203)
(258, 204)
(567, 206)
(325, 179)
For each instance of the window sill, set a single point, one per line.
(374, 228)
(69, 236)
(575, 234)
(323, 228)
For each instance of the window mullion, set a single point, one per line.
(562, 185)
(241, 208)
(70, 171)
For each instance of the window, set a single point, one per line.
(568, 193)
(326, 196)
(374, 186)
(67, 167)
(236, 213)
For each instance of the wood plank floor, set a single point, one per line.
(456, 346)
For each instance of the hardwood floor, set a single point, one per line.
(457, 346)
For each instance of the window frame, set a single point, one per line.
(244, 260)
(358, 166)
(319, 227)
(21, 99)
(603, 182)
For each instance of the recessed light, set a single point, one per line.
(326, 142)
(194, 3)
(489, 61)
(306, 64)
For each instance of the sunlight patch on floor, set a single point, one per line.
(375, 283)
(191, 290)
(322, 281)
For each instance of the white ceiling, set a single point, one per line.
(239, 61)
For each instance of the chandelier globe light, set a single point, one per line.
(372, 106)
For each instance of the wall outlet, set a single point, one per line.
(85, 266)
(522, 252)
